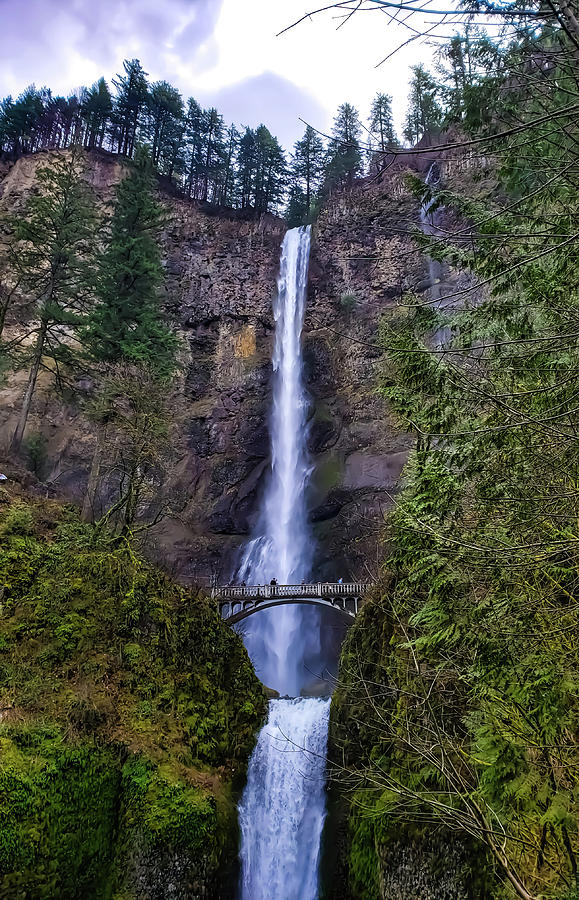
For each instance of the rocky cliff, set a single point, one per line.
(220, 281)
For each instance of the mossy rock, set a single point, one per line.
(130, 711)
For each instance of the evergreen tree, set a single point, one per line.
(52, 242)
(298, 211)
(307, 169)
(214, 152)
(193, 140)
(381, 127)
(270, 171)
(424, 113)
(246, 165)
(163, 125)
(345, 154)
(132, 92)
(126, 324)
(227, 194)
(97, 107)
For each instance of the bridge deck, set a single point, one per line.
(283, 591)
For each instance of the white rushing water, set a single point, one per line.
(283, 806)
(429, 225)
(276, 639)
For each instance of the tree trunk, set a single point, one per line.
(89, 504)
(32, 377)
(4, 304)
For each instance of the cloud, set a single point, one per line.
(63, 43)
(270, 99)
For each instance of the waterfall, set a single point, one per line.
(278, 639)
(436, 270)
(282, 810)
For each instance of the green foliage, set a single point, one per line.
(458, 697)
(58, 815)
(126, 323)
(348, 302)
(344, 152)
(307, 170)
(35, 446)
(424, 114)
(130, 705)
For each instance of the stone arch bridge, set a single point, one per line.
(237, 602)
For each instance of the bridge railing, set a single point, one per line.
(315, 589)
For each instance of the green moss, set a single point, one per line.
(374, 831)
(133, 707)
(57, 815)
(328, 473)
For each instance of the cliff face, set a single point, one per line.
(220, 282)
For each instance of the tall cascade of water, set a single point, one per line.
(283, 806)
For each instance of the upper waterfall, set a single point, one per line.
(282, 548)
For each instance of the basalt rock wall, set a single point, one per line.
(220, 281)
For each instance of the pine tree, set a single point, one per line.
(381, 126)
(163, 125)
(424, 113)
(126, 324)
(213, 153)
(345, 154)
(130, 103)
(52, 243)
(193, 139)
(96, 108)
(246, 165)
(307, 169)
(227, 193)
(270, 171)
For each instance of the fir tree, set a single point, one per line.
(270, 171)
(424, 113)
(126, 324)
(97, 106)
(381, 127)
(51, 243)
(345, 154)
(246, 163)
(307, 170)
(164, 114)
(130, 102)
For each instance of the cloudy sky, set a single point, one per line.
(223, 52)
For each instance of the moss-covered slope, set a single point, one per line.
(127, 710)
(381, 853)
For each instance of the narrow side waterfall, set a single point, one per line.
(282, 810)
(429, 225)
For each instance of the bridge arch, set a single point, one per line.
(237, 612)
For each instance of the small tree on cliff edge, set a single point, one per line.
(126, 324)
(52, 248)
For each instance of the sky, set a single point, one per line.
(225, 53)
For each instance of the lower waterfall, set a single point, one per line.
(283, 806)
